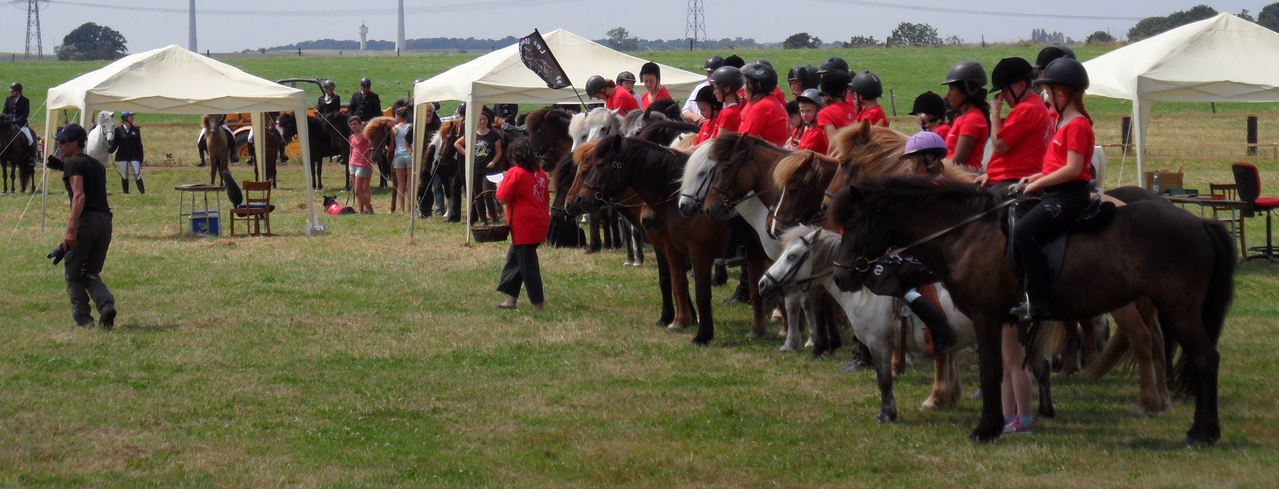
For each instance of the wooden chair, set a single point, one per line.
(256, 209)
(1227, 215)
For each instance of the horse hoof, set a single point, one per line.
(676, 328)
(753, 336)
(700, 342)
(788, 347)
(883, 417)
(929, 405)
(1192, 442)
(978, 437)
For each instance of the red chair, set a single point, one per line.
(1248, 184)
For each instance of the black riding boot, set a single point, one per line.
(124, 183)
(939, 328)
(141, 189)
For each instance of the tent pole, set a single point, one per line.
(304, 142)
(1141, 118)
(472, 117)
(416, 165)
(49, 120)
(259, 149)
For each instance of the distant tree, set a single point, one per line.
(1099, 37)
(1269, 17)
(1153, 26)
(954, 41)
(914, 35)
(863, 42)
(621, 40)
(802, 40)
(91, 42)
(1042, 36)
(1243, 14)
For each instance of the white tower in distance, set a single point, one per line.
(399, 30)
(364, 35)
(191, 29)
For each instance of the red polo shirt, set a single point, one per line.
(1077, 135)
(1026, 131)
(972, 123)
(767, 119)
(648, 98)
(621, 101)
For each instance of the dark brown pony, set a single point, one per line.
(271, 150)
(653, 172)
(1184, 265)
(548, 135)
(328, 139)
(14, 157)
(215, 139)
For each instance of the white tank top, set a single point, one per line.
(401, 130)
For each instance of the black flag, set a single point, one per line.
(538, 57)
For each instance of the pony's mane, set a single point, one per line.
(631, 120)
(699, 160)
(822, 250)
(801, 163)
(872, 150)
(663, 165)
(667, 108)
(576, 124)
(602, 117)
(911, 194)
(665, 132)
(209, 121)
(6, 122)
(378, 128)
(728, 145)
(549, 115)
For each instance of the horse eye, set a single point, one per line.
(791, 257)
(701, 173)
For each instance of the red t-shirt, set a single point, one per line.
(875, 115)
(359, 146)
(780, 96)
(1077, 135)
(942, 130)
(838, 114)
(528, 196)
(974, 124)
(621, 101)
(648, 99)
(707, 131)
(729, 118)
(1026, 131)
(814, 138)
(767, 119)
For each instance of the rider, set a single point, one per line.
(626, 80)
(651, 77)
(1063, 180)
(365, 104)
(931, 110)
(866, 92)
(1047, 55)
(726, 81)
(802, 78)
(690, 112)
(127, 146)
(329, 101)
(808, 135)
(620, 100)
(766, 117)
(19, 108)
(708, 106)
(1021, 140)
(966, 142)
(837, 112)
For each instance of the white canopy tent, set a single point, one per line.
(173, 80)
(1222, 59)
(500, 77)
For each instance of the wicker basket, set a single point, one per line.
(489, 234)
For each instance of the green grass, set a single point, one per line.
(360, 358)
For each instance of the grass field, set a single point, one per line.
(363, 358)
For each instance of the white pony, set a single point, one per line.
(593, 125)
(808, 259)
(100, 137)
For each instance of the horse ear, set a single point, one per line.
(865, 132)
(812, 238)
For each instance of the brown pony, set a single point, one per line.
(215, 139)
(380, 131)
(272, 149)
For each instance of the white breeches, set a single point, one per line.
(126, 166)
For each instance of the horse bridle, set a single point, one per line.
(699, 194)
(794, 221)
(729, 201)
(787, 280)
(861, 264)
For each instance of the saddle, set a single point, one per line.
(1093, 218)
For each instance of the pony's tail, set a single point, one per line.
(1221, 291)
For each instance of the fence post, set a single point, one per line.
(893, 101)
(1125, 132)
(1252, 135)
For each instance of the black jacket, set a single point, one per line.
(366, 106)
(127, 145)
(334, 105)
(19, 108)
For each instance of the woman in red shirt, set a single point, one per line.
(361, 169)
(651, 77)
(1063, 180)
(966, 142)
(837, 112)
(808, 135)
(1021, 140)
(525, 192)
(614, 99)
(866, 92)
(766, 117)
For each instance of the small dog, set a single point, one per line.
(333, 208)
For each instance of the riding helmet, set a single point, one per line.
(929, 103)
(925, 142)
(707, 95)
(728, 76)
(810, 77)
(833, 63)
(366, 83)
(1051, 52)
(625, 76)
(125, 115)
(16, 87)
(967, 71)
(868, 85)
(594, 85)
(810, 96)
(328, 84)
(1010, 71)
(762, 74)
(735, 61)
(792, 107)
(1066, 72)
(461, 109)
(651, 68)
(713, 63)
(795, 74)
(763, 61)
(835, 83)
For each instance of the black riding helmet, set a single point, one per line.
(792, 107)
(366, 82)
(713, 63)
(1051, 52)
(735, 61)
(461, 109)
(810, 79)
(968, 71)
(762, 74)
(868, 85)
(1066, 72)
(833, 63)
(1010, 71)
(594, 84)
(728, 76)
(329, 85)
(810, 96)
(929, 103)
(763, 61)
(835, 83)
(707, 95)
(16, 87)
(651, 68)
(795, 74)
(625, 76)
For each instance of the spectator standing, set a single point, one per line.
(525, 191)
(402, 162)
(488, 151)
(127, 146)
(88, 235)
(360, 167)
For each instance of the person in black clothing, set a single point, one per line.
(329, 101)
(19, 108)
(365, 104)
(88, 234)
(127, 147)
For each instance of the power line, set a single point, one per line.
(457, 7)
(995, 13)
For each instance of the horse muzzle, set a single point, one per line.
(688, 207)
(769, 289)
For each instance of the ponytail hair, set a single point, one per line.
(1077, 98)
(609, 83)
(978, 99)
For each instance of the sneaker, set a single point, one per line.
(1013, 427)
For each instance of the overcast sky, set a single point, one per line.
(264, 24)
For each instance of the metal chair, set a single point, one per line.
(1248, 184)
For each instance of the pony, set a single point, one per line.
(808, 261)
(593, 125)
(549, 135)
(661, 110)
(215, 138)
(272, 149)
(101, 137)
(380, 131)
(668, 133)
(15, 158)
(327, 139)
(1183, 264)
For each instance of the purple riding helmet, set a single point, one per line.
(925, 142)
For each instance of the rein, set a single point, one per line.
(787, 280)
(861, 264)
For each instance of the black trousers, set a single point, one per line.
(83, 266)
(1047, 220)
(522, 269)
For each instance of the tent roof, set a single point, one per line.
(172, 80)
(1221, 59)
(500, 77)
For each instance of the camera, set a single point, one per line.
(59, 252)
